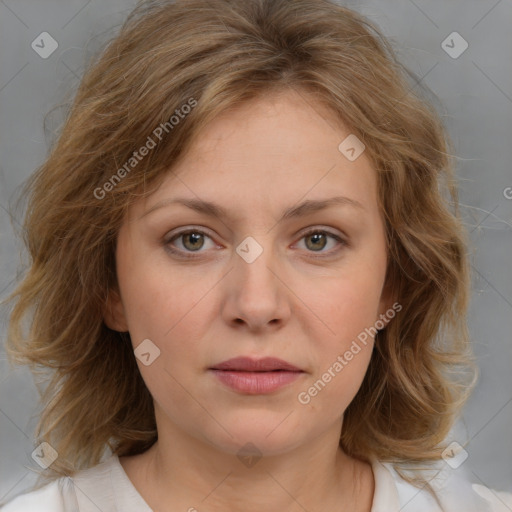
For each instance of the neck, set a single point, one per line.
(179, 472)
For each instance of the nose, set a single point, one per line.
(256, 293)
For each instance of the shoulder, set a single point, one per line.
(104, 487)
(453, 490)
(66, 494)
(48, 498)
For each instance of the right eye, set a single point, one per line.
(192, 240)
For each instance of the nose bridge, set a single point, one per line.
(255, 259)
(257, 296)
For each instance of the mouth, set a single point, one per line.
(256, 377)
(247, 364)
(256, 383)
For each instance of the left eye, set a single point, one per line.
(194, 240)
(318, 239)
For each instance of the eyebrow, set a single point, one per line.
(215, 210)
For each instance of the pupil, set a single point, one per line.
(316, 237)
(194, 237)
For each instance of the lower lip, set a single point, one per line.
(256, 383)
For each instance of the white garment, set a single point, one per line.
(107, 488)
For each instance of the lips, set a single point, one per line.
(247, 364)
(256, 376)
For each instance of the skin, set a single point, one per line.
(303, 300)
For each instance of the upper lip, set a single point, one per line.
(248, 364)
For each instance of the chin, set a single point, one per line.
(267, 438)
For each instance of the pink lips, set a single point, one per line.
(246, 364)
(256, 376)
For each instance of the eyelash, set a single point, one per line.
(191, 255)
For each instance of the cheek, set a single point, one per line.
(164, 308)
(342, 358)
(345, 304)
(340, 373)
(173, 309)
(347, 308)
(156, 297)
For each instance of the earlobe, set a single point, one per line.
(113, 312)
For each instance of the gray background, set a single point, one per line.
(475, 93)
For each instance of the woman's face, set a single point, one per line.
(251, 281)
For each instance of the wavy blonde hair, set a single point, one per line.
(223, 53)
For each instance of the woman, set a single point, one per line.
(245, 276)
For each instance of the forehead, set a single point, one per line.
(277, 149)
(285, 124)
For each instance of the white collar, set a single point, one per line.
(107, 487)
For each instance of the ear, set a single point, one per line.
(113, 312)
